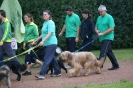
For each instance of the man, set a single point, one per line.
(71, 26)
(105, 30)
(5, 42)
(1, 35)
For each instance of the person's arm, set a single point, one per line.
(6, 31)
(63, 30)
(78, 23)
(35, 31)
(106, 32)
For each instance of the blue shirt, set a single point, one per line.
(49, 26)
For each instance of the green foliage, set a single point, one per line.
(121, 10)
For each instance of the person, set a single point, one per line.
(105, 30)
(86, 30)
(49, 41)
(31, 34)
(1, 35)
(5, 42)
(71, 26)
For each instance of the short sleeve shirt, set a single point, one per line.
(72, 23)
(104, 23)
(49, 26)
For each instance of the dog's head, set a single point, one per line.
(22, 67)
(66, 56)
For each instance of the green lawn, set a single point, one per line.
(122, 84)
(119, 53)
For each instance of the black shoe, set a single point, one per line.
(113, 68)
(26, 73)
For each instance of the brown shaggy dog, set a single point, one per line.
(79, 60)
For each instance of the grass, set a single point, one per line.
(119, 53)
(122, 84)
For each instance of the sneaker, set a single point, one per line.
(55, 75)
(39, 76)
(26, 73)
(67, 66)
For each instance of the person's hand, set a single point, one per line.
(76, 39)
(24, 47)
(60, 34)
(97, 31)
(1, 43)
(100, 34)
(41, 43)
(35, 42)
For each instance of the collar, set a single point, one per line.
(6, 20)
(32, 23)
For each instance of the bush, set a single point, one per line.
(121, 10)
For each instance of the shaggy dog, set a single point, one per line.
(5, 76)
(16, 68)
(79, 60)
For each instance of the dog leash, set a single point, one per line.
(86, 44)
(20, 53)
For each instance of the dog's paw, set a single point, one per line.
(86, 74)
(18, 78)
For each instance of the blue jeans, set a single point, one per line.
(1, 58)
(49, 57)
(9, 51)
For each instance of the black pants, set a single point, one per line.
(106, 49)
(29, 56)
(88, 47)
(71, 44)
(7, 48)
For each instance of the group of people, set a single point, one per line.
(73, 28)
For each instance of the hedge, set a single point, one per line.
(121, 10)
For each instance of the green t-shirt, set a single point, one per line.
(49, 26)
(104, 23)
(31, 32)
(72, 23)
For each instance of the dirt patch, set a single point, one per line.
(124, 72)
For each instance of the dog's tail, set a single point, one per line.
(100, 62)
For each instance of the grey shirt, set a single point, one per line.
(1, 32)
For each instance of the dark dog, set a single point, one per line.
(61, 65)
(40, 55)
(16, 68)
(5, 76)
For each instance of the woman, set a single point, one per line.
(31, 34)
(87, 29)
(49, 41)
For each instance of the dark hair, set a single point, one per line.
(49, 12)
(86, 11)
(69, 8)
(30, 16)
(3, 13)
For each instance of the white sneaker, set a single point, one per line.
(55, 75)
(39, 76)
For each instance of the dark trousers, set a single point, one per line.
(88, 47)
(29, 56)
(71, 44)
(9, 51)
(106, 49)
(1, 58)
(49, 57)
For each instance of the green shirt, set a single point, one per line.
(7, 35)
(49, 26)
(72, 23)
(31, 32)
(104, 23)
